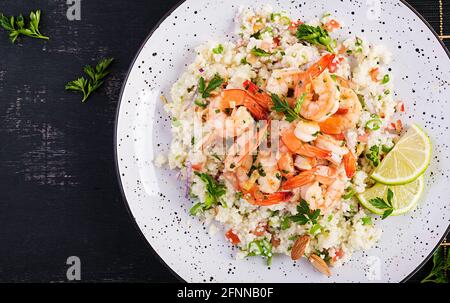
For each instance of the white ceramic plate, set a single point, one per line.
(421, 69)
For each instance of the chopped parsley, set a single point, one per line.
(366, 220)
(256, 35)
(385, 79)
(305, 214)
(204, 90)
(315, 229)
(373, 155)
(259, 52)
(201, 104)
(314, 35)
(196, 209)
(214, 190)
(285, 223)
(282, 106)
(218, 49)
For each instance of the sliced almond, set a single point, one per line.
(320, 264)
(298, 250)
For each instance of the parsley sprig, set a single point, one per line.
(282, 106)
(440, 266)
(374, 155)
(305, 214)
(204, 90)
(385, 205)
(314, 35)
(259, 52)
(95, 80)
(16, 26)
(214, 190)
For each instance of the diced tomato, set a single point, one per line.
(342, 111)
(374, 74)
(400, 107)
(276, 41)
(338, 255)
(260, 229)
(332, 25)
(399, 126)
(232, 237)
(197, 166)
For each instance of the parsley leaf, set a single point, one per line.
(259, 52)
(281, 106)
(201, 85)
(16, 26)
(379, 203)
(366, 220)
(96, 75)
(215, 82)
(440, 266)
(386, 79)
(214, 190)
(196, 209)
(285, 223)
(200, 104)
(305, 214)
(373, 155)
(218, 49)
(314, 35)
(384, 205)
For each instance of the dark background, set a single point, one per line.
(59, 195)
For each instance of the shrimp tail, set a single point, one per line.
(332, 125)
(299, 180)
(313, 151)
(257, 104)
(349, 164)
(317, 68)
(256, 197)
(295, 145)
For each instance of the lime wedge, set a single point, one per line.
(408, 159)
(405, 196)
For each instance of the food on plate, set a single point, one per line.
(282, 134)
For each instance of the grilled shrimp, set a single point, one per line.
(346, 117)
(321, 98)
(269, 179)
(336, 147)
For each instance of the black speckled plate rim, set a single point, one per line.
(127, 206)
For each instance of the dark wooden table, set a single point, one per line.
(59, 192)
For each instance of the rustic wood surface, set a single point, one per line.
(59, 192)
